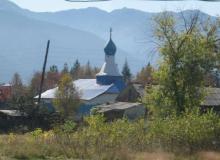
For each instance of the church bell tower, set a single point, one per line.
(109, 73)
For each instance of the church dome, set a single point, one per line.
(110, 48)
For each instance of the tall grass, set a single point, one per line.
(174, 137)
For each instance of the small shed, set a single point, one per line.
(212, 99)
(117, 110)
(11, 118)
(12, 113)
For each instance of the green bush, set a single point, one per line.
(187, 133)
(69, 126)
(191, 131)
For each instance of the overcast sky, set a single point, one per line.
(212, 8)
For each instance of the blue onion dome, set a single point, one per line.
(110, 48)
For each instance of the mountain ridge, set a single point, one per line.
(23, 40)
(75, 33)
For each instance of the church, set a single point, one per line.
(104, 89)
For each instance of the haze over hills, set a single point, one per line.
(74, 34)
(133, 30)
(23, 42)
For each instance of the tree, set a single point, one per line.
(88, 71)
(67, 98)
(35, 84)
(96, 70)
(145, 76)
(126, 73)
(20, 98)
(75, 70)
(52, 77)
(65, 69)
(17, 86)
(188, 54)
(54, 69)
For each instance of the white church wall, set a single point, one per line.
(110, 59)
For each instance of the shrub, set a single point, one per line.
(189, 132)
(69, 126)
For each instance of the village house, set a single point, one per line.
(5, 93)
(131, 111)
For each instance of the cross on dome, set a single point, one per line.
(111, 33)
(110, 48)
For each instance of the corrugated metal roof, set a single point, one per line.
(49, 94)
(87, 88)
(13, 113)
(117, 106)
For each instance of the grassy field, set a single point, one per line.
(23, 152)
(189, 137)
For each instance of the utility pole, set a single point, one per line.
(43, 72)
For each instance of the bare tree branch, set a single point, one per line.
(189, 30)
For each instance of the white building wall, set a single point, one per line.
(109, 67)
(110, 59)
